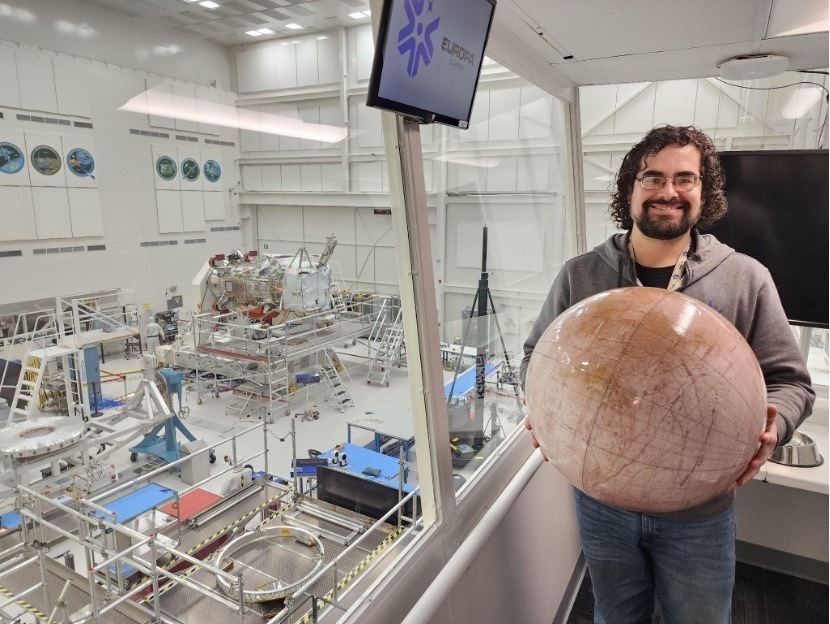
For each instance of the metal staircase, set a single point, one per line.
(388, 352)
(330, 371)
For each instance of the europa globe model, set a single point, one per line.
(646, 399)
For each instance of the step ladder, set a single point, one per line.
(245, 400)
(27, 394)
(388, 352)
(331, 371)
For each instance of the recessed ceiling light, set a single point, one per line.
(293, 26)
(265, 31)
(209, 5)
(254, 33)
(356, 15)
(367, 13)
(322, 38)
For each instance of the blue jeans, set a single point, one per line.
(688, 565)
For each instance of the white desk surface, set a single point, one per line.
(388, 420)
(811, 479)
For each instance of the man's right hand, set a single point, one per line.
(533, 439)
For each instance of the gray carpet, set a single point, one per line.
(760, 597)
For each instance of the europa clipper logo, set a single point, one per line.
(414, 38)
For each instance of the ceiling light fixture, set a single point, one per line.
(753, 66)
(356, 15)
(293, 26)
(253, 33)
(265, 31)
(209, 5)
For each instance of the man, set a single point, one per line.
(152, 333)
(669, 186)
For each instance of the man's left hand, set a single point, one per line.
(768, 440)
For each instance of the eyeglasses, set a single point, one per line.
(685, 182)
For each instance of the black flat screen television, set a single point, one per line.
(428, 58)
(778, 214)
(364, 496)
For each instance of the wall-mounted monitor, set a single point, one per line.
(428, 58)
(778, 214)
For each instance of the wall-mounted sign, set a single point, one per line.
(11, 158)
(212, 171)
(166, 168)
(190, 169)
(46, 160)
(80, 162)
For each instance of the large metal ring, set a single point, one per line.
(41, 436)
(278, 589)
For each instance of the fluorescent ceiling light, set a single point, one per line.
(265, 31)
(356, 15)
(253, 33)
(293, 26)
(209, 5)
(801, 102)
(322, 38)
(160, 103)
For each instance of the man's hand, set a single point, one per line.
(768, 440)
(533, 439)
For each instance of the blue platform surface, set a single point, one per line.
(466, 381)
(8, 521)
(358, 458)
(137, 502)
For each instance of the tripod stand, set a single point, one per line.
(475, 434)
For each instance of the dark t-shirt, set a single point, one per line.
(656, 277)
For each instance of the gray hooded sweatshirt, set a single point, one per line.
(733, 284)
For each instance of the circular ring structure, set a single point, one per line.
(272, 540)
(34, 438)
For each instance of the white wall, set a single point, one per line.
(122, 207)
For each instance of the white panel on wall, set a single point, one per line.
(310, 115)
(193, 211)
(504, 114)
(271, 177)
(249, 141)
(184, 106)
(165, 159)
(366, 176)
(72, 88)
(311, 177)
(206, 101)
(479, 129)
(674, 102)
(286, 65)
(386, 265)
(502, 251)
(289, 142)
(269, 142)
(81, 162)
(214, 206)
(256, 68)
(368, 126)
(211, 162)
(44, 154)
(503, 177)
(535, 116)
(595, 103)
(10, 93)
(328, 60)
(163, 95)
(533, 173)
(331, 114)
(169, 210)
(707, 105)
(17, 214)
(280, 223)
(36, 80)
(332, 177)
(14, 149)
(291, 180)
(252, 177)
(307, 63)
(190, 170)
(364, 51)
(51, 212)
(85, 212)
(635, 111)
(462, 177)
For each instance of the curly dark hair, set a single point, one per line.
(713, 202)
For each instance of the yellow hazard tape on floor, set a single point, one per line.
(353, 573)
(26, 605)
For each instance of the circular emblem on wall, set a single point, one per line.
(190, 169)
(212, 171)
(80, 162)
(166, 168)
(46, 160)
(11, 158)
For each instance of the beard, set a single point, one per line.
(664, 227)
